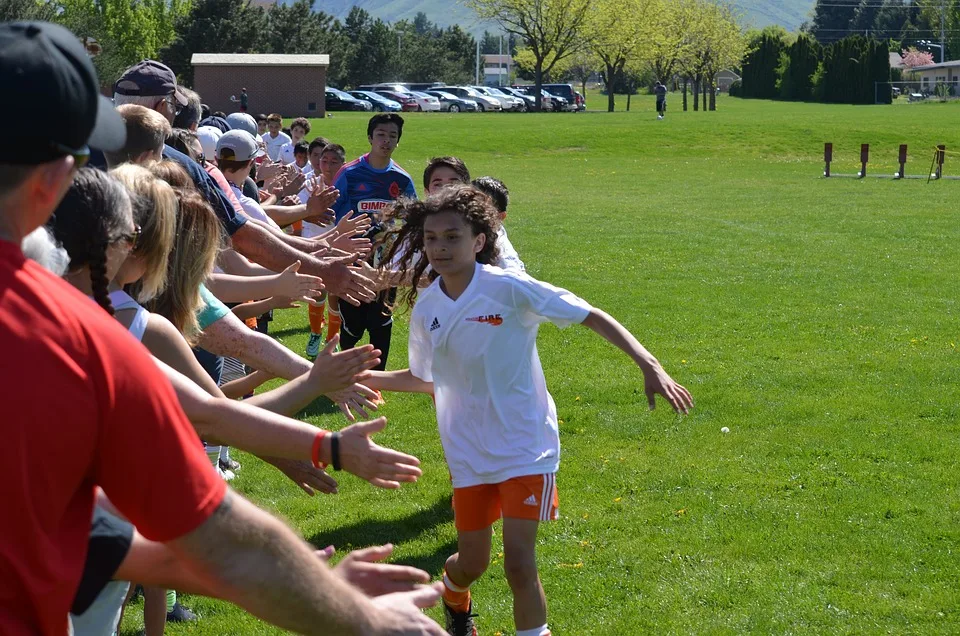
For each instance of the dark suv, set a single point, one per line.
(565, 91)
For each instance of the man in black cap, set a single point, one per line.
(57, 342)
(153, 85)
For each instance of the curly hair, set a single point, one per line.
(94, 214)
(495, 189)
(473, 205)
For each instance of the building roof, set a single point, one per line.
(932, 67)
(251, 59)
(896, 60)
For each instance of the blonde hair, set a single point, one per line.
(155, 211)
(147, 130)
(196, 245)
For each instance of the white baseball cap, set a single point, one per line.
(238, 145)
(209, 136)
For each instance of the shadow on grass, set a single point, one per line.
(289, 331)
(321, 406)
(396, 531)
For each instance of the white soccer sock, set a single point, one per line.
(543, 630)
(224, 453)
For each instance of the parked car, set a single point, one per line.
(565, 91)
(484, 103)
(378, 102)
(407, 101)
(547, 101)
(423, 87)
(528, 100)
(394, 87)
(581, 101)
(453, 104)
(426, 103)
(507, 102)
(336, 99)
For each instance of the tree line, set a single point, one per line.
(362, 49)
(786, 66)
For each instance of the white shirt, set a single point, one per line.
(509, 259)
(310, 230)
(253, 208)
(286, 153)
(274, 144)
(497, 420)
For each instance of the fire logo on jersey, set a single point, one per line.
(395, 190)
(490, 319)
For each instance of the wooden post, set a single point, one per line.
(941, 155)
(864, 158)
(827, 158)
(903, 161)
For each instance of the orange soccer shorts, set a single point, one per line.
(531, 497)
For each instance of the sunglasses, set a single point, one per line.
(80, 157)
(132, 237)
(174, 104)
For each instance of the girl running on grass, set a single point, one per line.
(473, 338)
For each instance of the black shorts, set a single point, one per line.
(661, 105)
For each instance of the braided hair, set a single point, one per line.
(94, 214)
(473, 205)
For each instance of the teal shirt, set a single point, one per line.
(212, 310)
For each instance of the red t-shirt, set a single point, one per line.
(83, 405)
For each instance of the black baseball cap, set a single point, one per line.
(53, 105)
(149, 78)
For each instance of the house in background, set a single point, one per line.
(947, 73)
(497, 69)
(725, 78)
(291, 85)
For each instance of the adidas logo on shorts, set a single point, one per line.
(531, 501)
(434, 325)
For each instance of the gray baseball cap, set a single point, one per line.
(242, 121)
(238, 145)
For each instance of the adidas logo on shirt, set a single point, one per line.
(531, 501)
(435, 324)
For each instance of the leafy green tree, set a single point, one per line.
(215, 26)
(550, 29)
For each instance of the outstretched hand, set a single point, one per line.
(361, 569)
(305, 475)
(356, 398)
(336, 370)
(382, 467)
(656, 381)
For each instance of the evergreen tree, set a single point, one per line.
(799, 63)
(760, 66)
(831, 20)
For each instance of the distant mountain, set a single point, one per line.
(760, 13)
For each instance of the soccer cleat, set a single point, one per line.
(181, 614)
(460, 623)
(313, 346)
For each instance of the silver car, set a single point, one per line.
(507, 102)
(484, 103)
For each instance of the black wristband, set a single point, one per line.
(335, 450)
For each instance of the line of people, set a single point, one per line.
(167, 261)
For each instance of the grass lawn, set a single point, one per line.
(817, 319)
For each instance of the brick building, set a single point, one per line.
(292, 85)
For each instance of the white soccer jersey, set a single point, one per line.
(509, 259)
(497, 420)
(274, 144)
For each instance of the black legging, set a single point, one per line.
(375, 317)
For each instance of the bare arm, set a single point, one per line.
(249, 558)
(290, 283)
(233, 262)
(655, 378)
(401, 381)
(236, 389)
(230, 337)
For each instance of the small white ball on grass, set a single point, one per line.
(724, 430)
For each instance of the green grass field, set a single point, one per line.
(817, 319)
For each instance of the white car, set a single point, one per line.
(507, 102)
(427, 103)
(484, 103)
